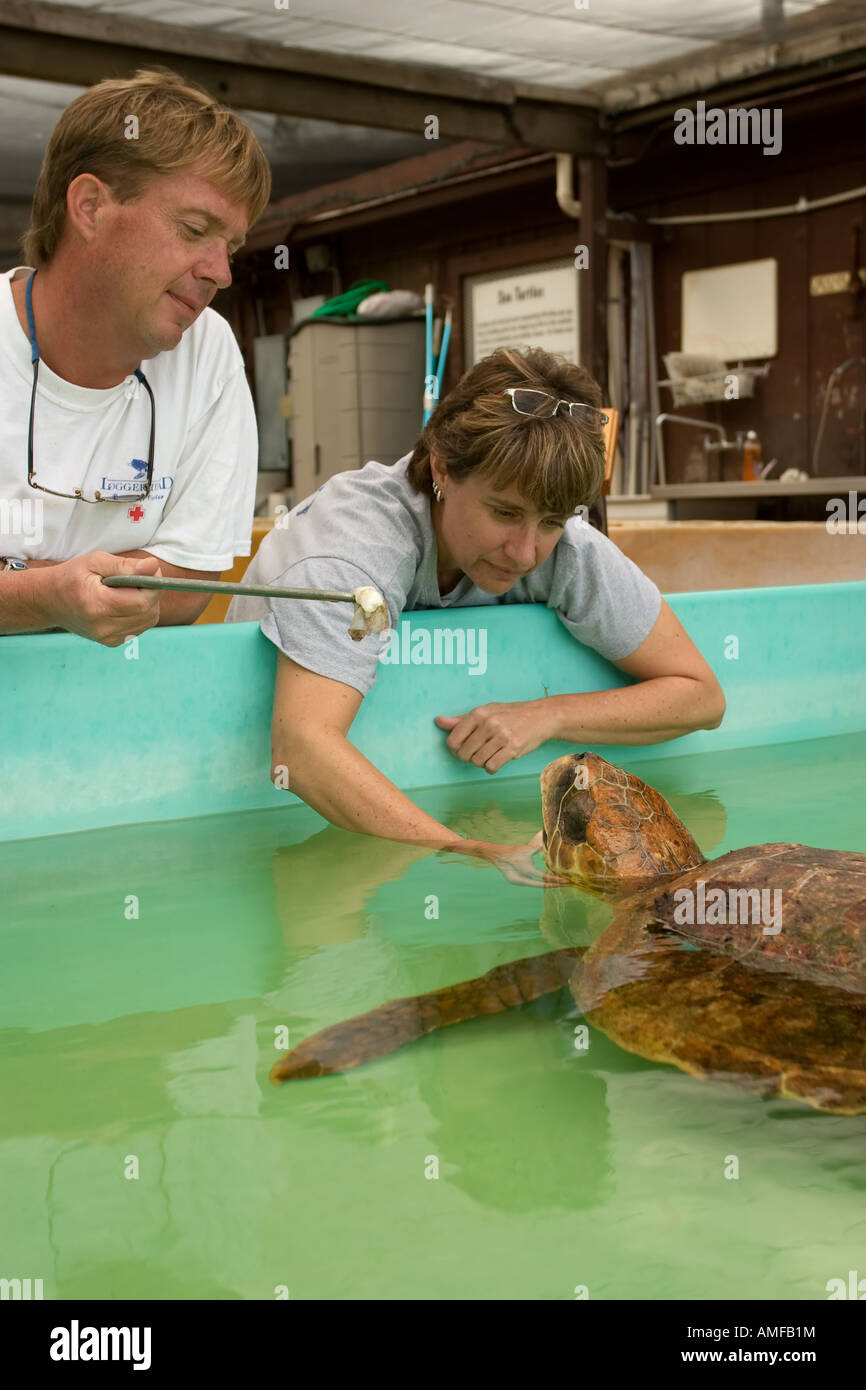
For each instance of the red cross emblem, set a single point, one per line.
(135, 513)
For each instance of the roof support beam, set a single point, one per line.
(62, 43)
(812, 51)
(592, 299)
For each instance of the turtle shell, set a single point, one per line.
(772, 1000)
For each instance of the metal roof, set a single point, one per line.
(302, 153)
(551, 47)
(552, 43)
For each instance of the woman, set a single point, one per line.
(482, 511)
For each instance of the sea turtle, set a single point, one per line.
(750, 968)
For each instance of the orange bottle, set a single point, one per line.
(752, 461)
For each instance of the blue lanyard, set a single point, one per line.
(34, 346)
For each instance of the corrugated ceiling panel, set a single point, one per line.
(544, 41)
(547, 42)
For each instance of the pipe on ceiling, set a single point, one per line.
(572, 208)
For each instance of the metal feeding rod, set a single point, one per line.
(370, 615)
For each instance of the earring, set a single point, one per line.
(438, 493)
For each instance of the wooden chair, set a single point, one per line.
(598, 510)
(611, 432)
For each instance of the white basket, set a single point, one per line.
(694, 379)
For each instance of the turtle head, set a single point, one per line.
(608, 831)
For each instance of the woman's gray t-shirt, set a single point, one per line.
(369, 526)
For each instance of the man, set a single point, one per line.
(128, 439)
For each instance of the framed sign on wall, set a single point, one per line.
(731, 311)
(534, 306)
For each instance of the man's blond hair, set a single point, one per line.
(177, 125)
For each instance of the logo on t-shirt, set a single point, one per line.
(311, 501)
(121, 487)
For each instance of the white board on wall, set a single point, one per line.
(535, 306)
(731, 311)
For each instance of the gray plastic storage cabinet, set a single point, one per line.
(357, 394)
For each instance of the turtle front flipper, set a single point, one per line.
(400, 1021)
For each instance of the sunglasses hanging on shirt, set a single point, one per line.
(78, 494)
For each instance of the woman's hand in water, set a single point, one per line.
(514, 862)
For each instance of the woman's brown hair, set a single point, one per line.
(178, 124)
(556, 463)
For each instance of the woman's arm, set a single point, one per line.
(312, 757)
(676, 694)
(311, 753)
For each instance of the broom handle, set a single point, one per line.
(214, 586)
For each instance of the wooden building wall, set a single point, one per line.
(822, 154)
(816, 333)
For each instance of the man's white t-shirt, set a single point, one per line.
(200, 510)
